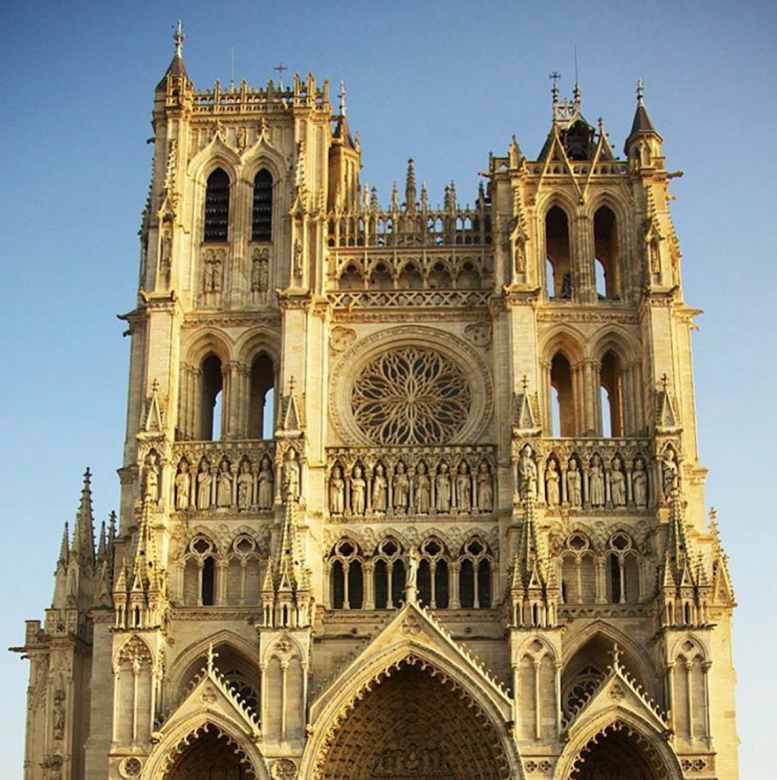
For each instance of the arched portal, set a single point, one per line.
(211, 756)
(416, 723)
(620, 752)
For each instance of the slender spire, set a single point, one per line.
(341, 95)
(176, 69)
(288, 569)
(342, 131)
(179, 37)
(83, 530)
(410, 191)
(65, 546)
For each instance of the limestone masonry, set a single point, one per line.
(409, 492)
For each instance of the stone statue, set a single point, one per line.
(617, 483)
(464, 489)
(596, 482)
(380, 490)
(152, 478)
(485, 488)
(552, 482)
(245, 485)
(423, 490)
(204, 480)
(291, 475)
(671, 473)
(574, 485)
(265, 484)
(224, 486)
(336, 491)
(358, 491)
(527, 472)
(413, 562)
(639, 483)
(401, 487)
(183, 484)
(443, 483)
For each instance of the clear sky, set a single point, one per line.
(443, 82)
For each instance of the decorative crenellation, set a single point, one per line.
(407, 481)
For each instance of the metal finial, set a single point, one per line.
(640, 93)
(179, 37)
(555, 76)
(280, 67)
(342, 98)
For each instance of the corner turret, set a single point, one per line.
(644, 142)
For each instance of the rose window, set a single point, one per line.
(411, 396)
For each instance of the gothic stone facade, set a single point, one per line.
(408, 492)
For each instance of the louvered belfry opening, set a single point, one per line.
(261, 222)
(217, 207)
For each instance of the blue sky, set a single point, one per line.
(443, 82)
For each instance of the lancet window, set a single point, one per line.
(347, 576)
(607, 261)
(689, 689)
(475, 567)
(563, 411)
(216, 221)
(261, 416)
(200, 572)
(261, 215)
(558, 253)
(211, 399)
(611, 381)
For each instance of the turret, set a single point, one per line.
(344, 164)
(644, 143)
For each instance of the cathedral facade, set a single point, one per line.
(407, 491)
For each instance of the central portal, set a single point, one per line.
(416, 724)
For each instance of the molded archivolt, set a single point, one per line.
(619, 744)
(414, 721)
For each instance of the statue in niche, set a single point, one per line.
(224, 486)
(639, 483)
(671, 473)
(423, 490)
(527, 472)
(443, 484)
(265, 481)
(596, 482)
(204, 480)
(401, 487)
(260, 272)
(297, 257)
(242, 139)
(552, 482)
(413, 562)
(152, 478)
(59, 714)
(183, 485)
(566, 285)
(358, 491)
(245, 485)
(291, 475)
(574, 485)
(520, 256)
(211, 273)
(380, 490)
(617, 483)
(464, 489)
(165, 253)
(485, 488)
(336, 491)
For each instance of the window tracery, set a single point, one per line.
(411, 396)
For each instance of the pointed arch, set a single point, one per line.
(635, 659)
(644, 754)
(340, 701)
(177, 737)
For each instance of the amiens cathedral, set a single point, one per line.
(409, 491)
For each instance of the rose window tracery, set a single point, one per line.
(411, 396)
